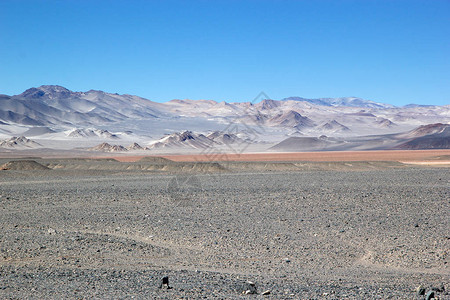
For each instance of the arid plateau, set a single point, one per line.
(330, 198)
(278, 226)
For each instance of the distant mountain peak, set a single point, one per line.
(105, 147)
(268, 104)
(291, 118)
(429, 129)
(46, 91)
(134, 146)
(342, 101)
(18, 142)
(333, 126)
(191, 139)
(90, 132)
(431, 136)
(54, 89)
(96, 92)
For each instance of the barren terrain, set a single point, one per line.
(382, 155)
(355, 229)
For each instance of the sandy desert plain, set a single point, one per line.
(328, 225)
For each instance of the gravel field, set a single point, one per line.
(374, 234)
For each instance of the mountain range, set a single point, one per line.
(56, 117)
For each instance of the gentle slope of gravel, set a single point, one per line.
(372, 234)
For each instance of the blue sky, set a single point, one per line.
(392, 51)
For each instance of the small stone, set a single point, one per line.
(266, 292)
(51, 231)
(165, 282)
(420, 290)
(416, 225)
(325, 294)
(248, 288)
(430, 295)
(439, 290)
(287, 260)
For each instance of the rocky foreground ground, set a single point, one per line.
(361, 234)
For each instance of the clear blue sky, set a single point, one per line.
(389, 51)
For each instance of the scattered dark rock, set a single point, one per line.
(165, 283)
(420, 290)
(87, 220)
(430, 295)
(438, 289)
(247, 288)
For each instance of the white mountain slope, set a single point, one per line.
(432, 136)
(134, 146)
(49, 114)
(105, 147)
(290, 119)
(55, 105)
(90, 133)
(384, 123)
(343, 101)
(182, 139)
(223, 138)
(189, 139)
(333, 127)
(20, 142)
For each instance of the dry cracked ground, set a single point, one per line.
(370, 234)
